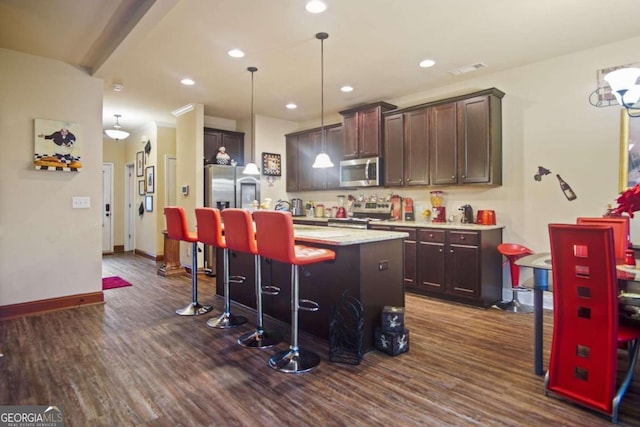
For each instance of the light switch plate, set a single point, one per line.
(81, 202)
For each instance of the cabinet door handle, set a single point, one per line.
(450, 251)
(461, 237)
(464, 176)
(453, 177)
(440, 250)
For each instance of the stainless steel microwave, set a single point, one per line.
(360, 172)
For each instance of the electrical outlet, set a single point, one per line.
(78, 202)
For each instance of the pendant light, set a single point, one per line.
(322, 159)
(252, 168)
(116, 133)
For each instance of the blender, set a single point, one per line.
(341, 212)
(439, 211)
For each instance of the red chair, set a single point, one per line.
(178, 229)
(210, 233)
(620, 225)
(513, 252)
(274, 233)
(586, 334)
(240, 236)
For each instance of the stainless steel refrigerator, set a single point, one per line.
(227, 187)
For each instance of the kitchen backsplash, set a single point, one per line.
(478, 198)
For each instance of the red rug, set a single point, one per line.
(114, 282)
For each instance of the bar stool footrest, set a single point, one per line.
(270, 290)
(308, 305)
(194, 309)
(256, 339)
(294, 362)
(226, 321)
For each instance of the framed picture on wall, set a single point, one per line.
(142, 190)
(271, 164)
(140, 163)
(629, 151)
(148, 203)
(57, 146)
(150, 179)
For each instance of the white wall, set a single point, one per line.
(48, 249)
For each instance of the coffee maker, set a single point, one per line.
(297, 209)
(467, 214)
(408, 209)
(439, 211)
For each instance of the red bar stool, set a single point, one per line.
(178, 229)
(513, 252)
(240, 236)
(210, 233)
(274, 233)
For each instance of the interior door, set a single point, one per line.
(130, 193)
(107, 207)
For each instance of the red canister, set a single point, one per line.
(630, 258)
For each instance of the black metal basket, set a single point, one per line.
(346, 331)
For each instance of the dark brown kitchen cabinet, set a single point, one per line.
(444, 152)
(301, 151)
(393, 150)
(416, 147)
(459, 265)
(406, 148)
(466, 141)
(362, 130)
(233, 142)
(455, 141)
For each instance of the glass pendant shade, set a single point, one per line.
(323, 161)
(624, 85)
(116, 133)
(251, 169)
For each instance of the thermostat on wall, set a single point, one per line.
(185, 190)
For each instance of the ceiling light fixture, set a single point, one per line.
(236, 53)
(187, 82)
(426, 63)
(624, 88)
(291, 106)
(322, 159)
(347, 88)
(116, 133)
(251, 168)
(316, 6)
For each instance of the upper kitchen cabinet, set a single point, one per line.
(466, 140)
(301, 151)
(233, 142)
(362, 129)
(406, 148)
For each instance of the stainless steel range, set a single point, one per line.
(363, 214)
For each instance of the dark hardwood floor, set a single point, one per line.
(133, 361)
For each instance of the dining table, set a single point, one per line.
(629, 296)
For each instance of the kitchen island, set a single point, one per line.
(368, 265)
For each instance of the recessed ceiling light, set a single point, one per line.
(187, 82)
(427, 63)
(236, 53)
(291, 106)
(316, 6)
(346, 88)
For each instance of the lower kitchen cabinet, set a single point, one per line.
(458, 265)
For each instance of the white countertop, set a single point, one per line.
(342, 236)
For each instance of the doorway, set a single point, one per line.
(129, 207)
